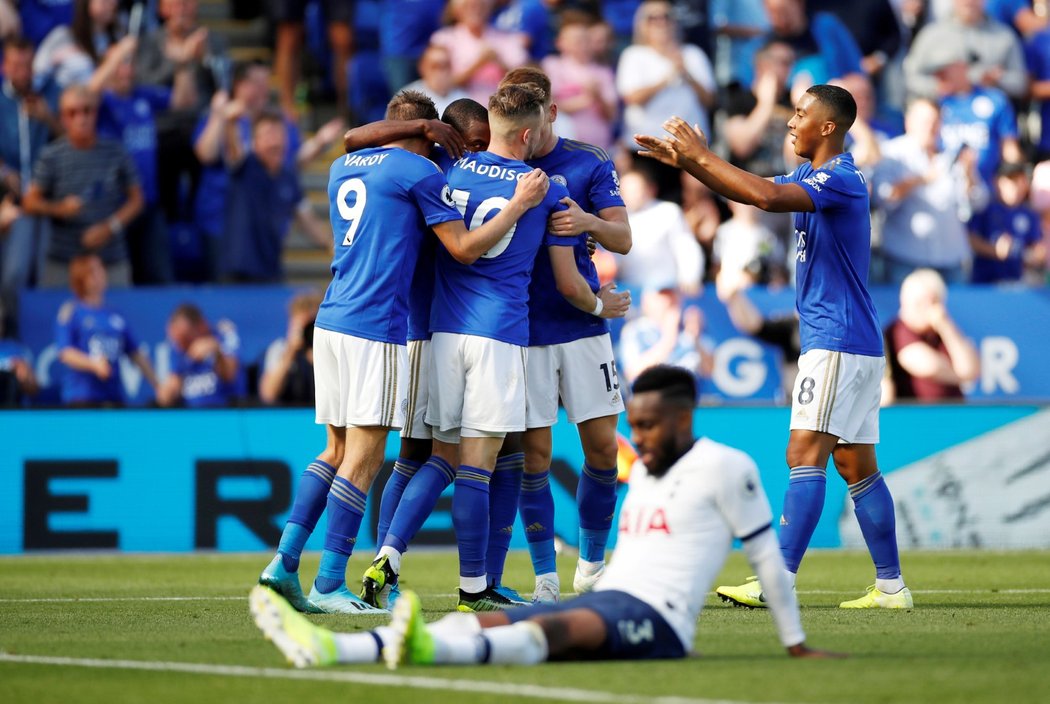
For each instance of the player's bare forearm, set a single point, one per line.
(375, 134)
(612, 230)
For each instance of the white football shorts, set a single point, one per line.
(838, 393)
(476, 383)
(418, 391)
(581, 372)
(359, 382)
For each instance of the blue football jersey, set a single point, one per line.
(981, 120)
(97, 332)
(383, 203)
(590, 177)
(832, 254)
(490, 298)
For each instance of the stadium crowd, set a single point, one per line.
(128, 138)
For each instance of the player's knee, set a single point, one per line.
(601, 455)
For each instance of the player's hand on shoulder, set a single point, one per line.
(614, 303)
(569, 222)
(446, 135)
(532, 188)
(686, 141)
(656, 148)
(803, 651)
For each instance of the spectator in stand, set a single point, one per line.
(665, 254)
(1019, 15)
(481, 54)
(928, 357)
(1007, 233)
(745, 246)
(92, 338)
(658, 76)
(436, 82)
(619, 17)
(823, 46)
(288, 370)
(863, 139)
(584, 90)
(17, 381)
(978, 117)
(740, 26)
(27, 123)
(702, 213)
(127, 112)
(872, 23)
(993, 52)
(665, 333)
(401, 43)
(603, 39)
(250, 99)
(1037, 55)
(289, 16)
(180, 42)
(70, 53)
(924, 195)
(757, 114)
(264, 197)
(533, 19)
(204, 367)
(89, 189)
(39, 17)
(10, 22)
(778, 329)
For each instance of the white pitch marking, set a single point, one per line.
(503, 689)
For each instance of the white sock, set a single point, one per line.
(356, 648)
(889, 586)
(394, 555)
(522, 643)
(456, 624)
(458, 649)
(548, 577)
(474, 585)
(589, 568)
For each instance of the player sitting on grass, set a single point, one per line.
(686, 497)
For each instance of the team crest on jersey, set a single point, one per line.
(558, 178)
(446, 196)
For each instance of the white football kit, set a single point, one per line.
(676, 532)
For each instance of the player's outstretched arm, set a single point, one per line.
(466, 246)
(686, 147)
(376, 134)
(607, 303)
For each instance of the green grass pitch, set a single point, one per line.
(109, 629)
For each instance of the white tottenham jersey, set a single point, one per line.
(677, 530)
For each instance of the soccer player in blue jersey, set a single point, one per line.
(571, 357)
(835, 400)
(383, 201)
(479, 323)
(464, 126)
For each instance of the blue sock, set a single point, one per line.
(470, 518)
(310, 498)
(596, 503)
(874, 508)
(803, 504)
(418, 502)
(346, 507)
(403, 472)
(504, 490)
(537, 515)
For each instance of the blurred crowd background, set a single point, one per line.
(174, 143)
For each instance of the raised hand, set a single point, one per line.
(446, 135)
(657, 148)
(686, 141)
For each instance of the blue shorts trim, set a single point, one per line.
(634, 629)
